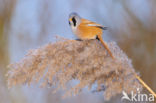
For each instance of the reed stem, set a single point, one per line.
(145, 85)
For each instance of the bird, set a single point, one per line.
(85, 29)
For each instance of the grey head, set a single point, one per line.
(74, 19)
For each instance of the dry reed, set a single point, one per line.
(86, 61)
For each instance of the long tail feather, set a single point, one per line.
(105, 45)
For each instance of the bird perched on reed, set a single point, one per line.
(85, 29)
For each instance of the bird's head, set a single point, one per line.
(74, 19)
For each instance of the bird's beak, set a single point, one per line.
(70, 19)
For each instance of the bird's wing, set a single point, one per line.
(90, 23)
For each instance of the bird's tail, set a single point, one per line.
(105, 45)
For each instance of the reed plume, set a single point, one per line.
(56, 64)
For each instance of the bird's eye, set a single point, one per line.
(69, 23)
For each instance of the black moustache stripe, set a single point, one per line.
(74, 21)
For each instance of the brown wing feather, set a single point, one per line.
(93, 24)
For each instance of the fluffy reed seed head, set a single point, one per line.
(85, 61)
